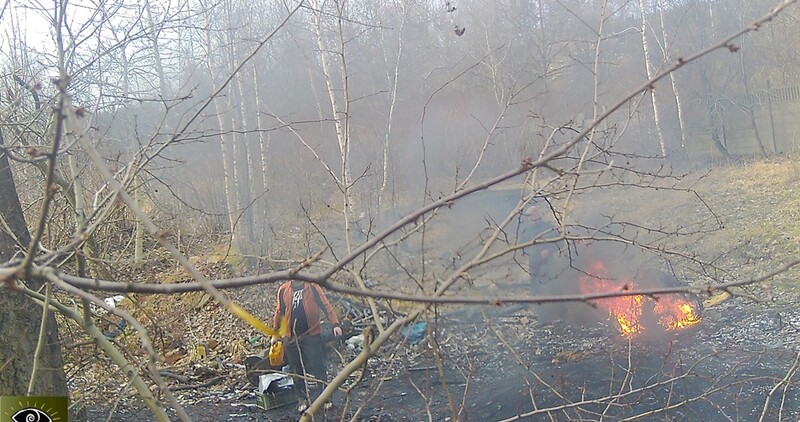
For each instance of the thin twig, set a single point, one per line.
(147, 344)
(232, 283)
(40, 343)
(785, 381)
(128, 369)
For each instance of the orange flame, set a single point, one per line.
(675, 313)
(671, 311)
(628, 314)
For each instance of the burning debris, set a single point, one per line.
(598, 267)
(636, 313)
(675, 313)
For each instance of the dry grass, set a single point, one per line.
(752, 226)
(767, 193)
(759, 203)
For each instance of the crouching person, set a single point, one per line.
(304, 305)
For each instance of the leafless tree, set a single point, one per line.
(84, 185)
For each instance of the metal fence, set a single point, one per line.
(777, 120)
(765, 97)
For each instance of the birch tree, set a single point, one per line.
(666, 48)
(568, 161)
(340, 106)
(227, 139)
(393, 77)
(648, 65)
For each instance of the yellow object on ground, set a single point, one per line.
(716, 299)
(276, 354)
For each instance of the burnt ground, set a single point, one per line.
(735, 365)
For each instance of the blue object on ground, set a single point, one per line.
(414, 333)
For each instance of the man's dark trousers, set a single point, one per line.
(307, 360)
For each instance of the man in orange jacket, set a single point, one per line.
(304, 305)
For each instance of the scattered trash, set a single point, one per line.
(255, 366)
(414, 333)
(113, 300)
(199, 353)
(273, 383)
(359, 316)
(255, 340)
(115, 330)
(356, 342)
(269, 401)
(275, 390)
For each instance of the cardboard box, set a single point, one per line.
(269, 401)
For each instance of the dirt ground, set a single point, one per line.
(498, 363)
(507, 365)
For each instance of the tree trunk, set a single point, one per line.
(544, 54)
(138, 232)
(393, 79)
(263, 147)
(713, 120)
(20, 317)
(341, 118)
(242, 159)
(229, 183)
(751, 103)
(672, 78)
(712, 109)
(162, 80)
(649, 70)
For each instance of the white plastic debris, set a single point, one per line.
(280, 381)
(113, 300)
(355, 342)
